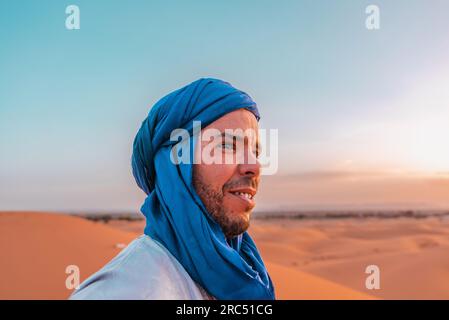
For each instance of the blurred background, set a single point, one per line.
(362, 114)
(363, 132)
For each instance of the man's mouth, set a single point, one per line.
(245, 194)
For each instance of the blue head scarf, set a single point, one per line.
(175, 215)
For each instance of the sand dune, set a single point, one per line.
(306, 259)
(412, 255)
(293, 284)
(37, 247)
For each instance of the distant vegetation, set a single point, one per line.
(356, 214)
(305, 215)
(106, 217)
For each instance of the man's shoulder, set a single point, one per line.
(143, 270)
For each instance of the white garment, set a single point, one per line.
(145, 269)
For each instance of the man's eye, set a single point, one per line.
(228, 146)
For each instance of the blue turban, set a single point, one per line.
(175, 215)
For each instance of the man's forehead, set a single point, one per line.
(238, 119)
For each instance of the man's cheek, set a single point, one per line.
(223, 173)
(218, 175)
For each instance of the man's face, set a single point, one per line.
(227, 189)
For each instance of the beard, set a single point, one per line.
(232, 223)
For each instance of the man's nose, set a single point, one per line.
(250, 167)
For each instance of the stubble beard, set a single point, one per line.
(232, 224)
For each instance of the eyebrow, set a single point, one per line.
(238, 137)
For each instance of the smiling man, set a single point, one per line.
(195, 244)
(227, 188)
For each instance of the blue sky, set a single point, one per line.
(342, 97)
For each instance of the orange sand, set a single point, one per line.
(413, 255)
(37, 247)
(306, 259)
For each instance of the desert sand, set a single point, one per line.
(306, 259)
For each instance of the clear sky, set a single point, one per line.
(362, 114)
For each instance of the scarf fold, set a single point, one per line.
(175, 215)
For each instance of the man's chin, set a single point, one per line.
(239, 216)
(236, 223)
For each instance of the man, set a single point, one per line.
(195, 244)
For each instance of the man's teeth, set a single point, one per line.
(246, 195)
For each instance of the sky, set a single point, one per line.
(362, 115)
